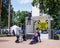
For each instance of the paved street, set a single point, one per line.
(8, 42)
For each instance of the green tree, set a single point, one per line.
(19, 17)
(50, 7)
(0, 13)
(4, 14)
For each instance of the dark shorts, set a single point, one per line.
(17, 36)
(38, 33)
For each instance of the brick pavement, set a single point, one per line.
(8, 42)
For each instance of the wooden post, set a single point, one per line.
(9, 1)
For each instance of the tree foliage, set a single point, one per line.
(19, 17)
(50, 7)
(4, 15)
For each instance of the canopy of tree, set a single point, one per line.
(16, 18)
(19, 17)
(50, 7)
(4, 14)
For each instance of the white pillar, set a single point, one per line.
(49, 27)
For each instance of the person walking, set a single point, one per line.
(23, 36)
(17, 35)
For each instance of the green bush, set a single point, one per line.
(56, 37)
(2, 35)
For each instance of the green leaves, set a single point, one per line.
(20, 17)
(35, 2)
(51, 7)
(4, 15)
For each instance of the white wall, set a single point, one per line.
(35, 11)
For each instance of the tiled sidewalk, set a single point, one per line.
(9, 42)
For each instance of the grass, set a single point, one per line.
(58, 35)
(2, 35)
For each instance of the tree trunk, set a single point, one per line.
(0, 13)
(9, 14)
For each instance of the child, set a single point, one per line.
(34, 39)
(38, 32)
